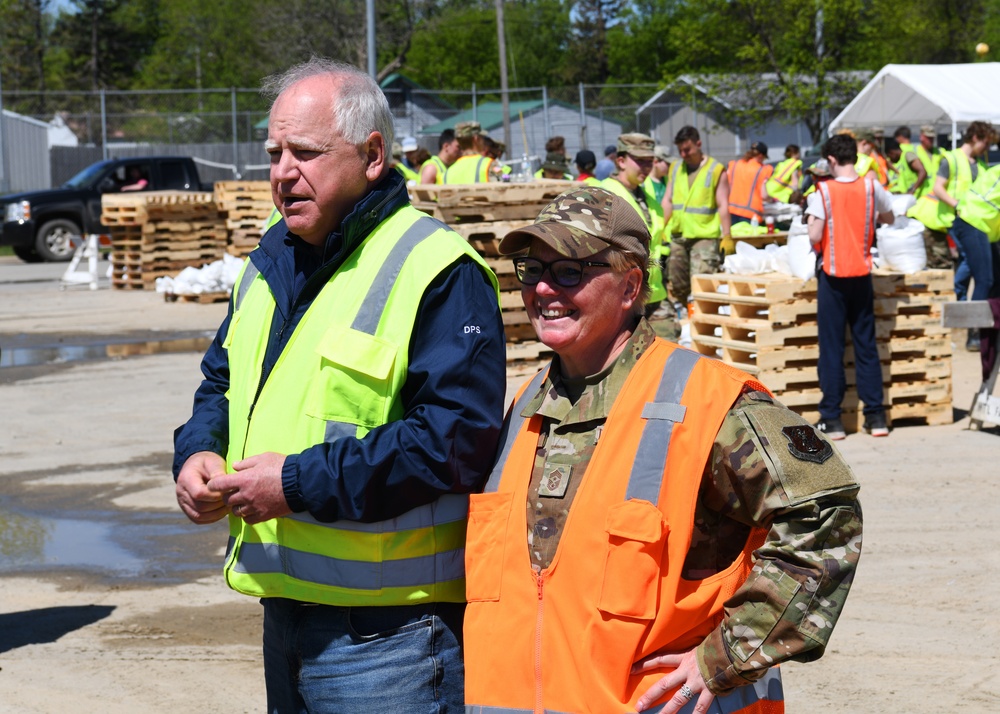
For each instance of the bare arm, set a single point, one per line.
(815, 230)
(722, 201)
(428, 174)
(941, 191)
(917, 166)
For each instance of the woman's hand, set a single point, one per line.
(685, 677)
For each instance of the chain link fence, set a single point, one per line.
(224, 129)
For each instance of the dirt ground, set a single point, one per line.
(89, 442)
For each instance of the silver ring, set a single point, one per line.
(685, 691)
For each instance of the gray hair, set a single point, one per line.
(360, 106)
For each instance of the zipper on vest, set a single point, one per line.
(539, 707)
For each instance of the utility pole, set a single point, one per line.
(504, 93)
(370, 11)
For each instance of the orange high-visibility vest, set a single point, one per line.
(849, 229)
(882, 167)
(564, 640)
(746, 176)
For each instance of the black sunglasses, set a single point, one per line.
(566, 273)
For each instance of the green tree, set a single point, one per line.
(593, 20)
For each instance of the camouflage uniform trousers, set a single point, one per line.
(938, 252)
(661, 314)
(691, 256)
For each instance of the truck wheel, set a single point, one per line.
(56, 240)
(28, 255)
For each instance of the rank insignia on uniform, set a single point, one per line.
(804, 443)
(555, 481)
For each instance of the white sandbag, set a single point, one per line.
(216, 277)
(782, 212)
(901, 203)
(901, 246)
(801, 256)
(747, 260)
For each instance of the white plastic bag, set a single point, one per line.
(801, 256)
(902, 203)
(747, 260)
(901, 245)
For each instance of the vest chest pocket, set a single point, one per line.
(637, 535)
(355, 377)
(484, 545)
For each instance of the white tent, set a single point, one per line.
(947, 96)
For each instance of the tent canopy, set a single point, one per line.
(946, 96)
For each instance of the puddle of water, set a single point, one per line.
(39, 355)
(33, 543)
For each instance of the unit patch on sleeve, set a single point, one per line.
(804, 443)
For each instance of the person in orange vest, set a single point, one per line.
(618, 558)
(869, 159)
(747, 177)
(842, 213)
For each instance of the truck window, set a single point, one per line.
(174, 175)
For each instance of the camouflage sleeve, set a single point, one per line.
(770, 469)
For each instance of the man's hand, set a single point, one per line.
(685, 674)
(200, 503)
(254, 492)
(727, 245)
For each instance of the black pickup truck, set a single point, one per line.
(48, 225)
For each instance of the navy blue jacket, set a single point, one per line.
(453, 396)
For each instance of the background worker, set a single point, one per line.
(912, 175)
(555, 145)
(634, 162)
(698, 214)
(634, 463)
(656, 182)
(432, 171)
(607, 166)
(555, 166)
(345, 414)
(473, 166)
(936, 210)
(585, 162)
(977, 226)
(869, 158)
(786, 176)
(747, 177)
(842, 214)
(929, 154)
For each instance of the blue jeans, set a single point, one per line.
(319, 658)
(841, 302)
(975, 245)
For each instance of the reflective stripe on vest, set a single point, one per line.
(456, 173)
(831, 239)
(416, 556)
(512, 427)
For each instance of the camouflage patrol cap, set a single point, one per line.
(465, 129)
(866, 136)
(661, 153)
(582, 222)
(397, 149)
(821, 168)
(928, 130)
(638, 145)
(555, 161)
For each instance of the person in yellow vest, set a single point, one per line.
(555, 167)
(585, 162)
(622, 557)
(634, 161)
(432, 171)
(929, 154)
(786, 176)
(352, 400)
(912, 175)
(697, 215)
(869, 159)
(936, 210)
(555, 145)
(977, 230)
(656, 182)
(473, 166)
(397, 163)
(747, 177)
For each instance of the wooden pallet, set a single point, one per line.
(480, 214)
(779, 313)
(767, 288)
(490, 194)
(925, 281)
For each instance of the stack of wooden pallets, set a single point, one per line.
(159, 233)
(483, 214)
(767, 326)
(245, 206)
